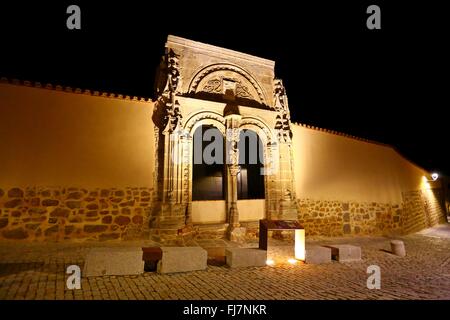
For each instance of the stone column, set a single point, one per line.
(233, 210)
(171, 213)
(287, 210)
(271, 168)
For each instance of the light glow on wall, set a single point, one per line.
(300, 244)
(292, 261)
(425, 184)
(426, 181)
(270, 262)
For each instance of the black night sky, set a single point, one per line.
(389, 85)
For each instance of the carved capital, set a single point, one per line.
(234, 169)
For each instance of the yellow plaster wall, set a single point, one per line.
(54, 138)
(333, 167)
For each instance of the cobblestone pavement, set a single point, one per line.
(37, 271)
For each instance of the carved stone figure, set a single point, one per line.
(283, 118)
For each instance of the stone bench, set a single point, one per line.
(182, 259)
(245, 257)
(345, 252)
(113, 262)
(398, 248)
(317, 255)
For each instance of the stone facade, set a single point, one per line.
(74, 213)
(200, 84)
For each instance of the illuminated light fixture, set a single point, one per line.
(426, 181)
(300, 244)
(270, 262)
(292, 261)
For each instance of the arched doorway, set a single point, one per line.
(211, 198)
(209, 175)
(250, 178)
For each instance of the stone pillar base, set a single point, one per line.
(168, 223)
(172, 236)
(288, 210)
(169, 214)
(237, 234)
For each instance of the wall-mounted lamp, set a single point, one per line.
(426, 181)
(434, 177)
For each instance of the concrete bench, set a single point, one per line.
(113, 262)
(317, 255)
(182, 259)
(345, 252)
(245, 257)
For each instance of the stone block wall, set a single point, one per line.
(57, 213)
(38, 213)
(423, 209)
(420, 209)
(337, 218)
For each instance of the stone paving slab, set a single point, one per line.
(37, 271)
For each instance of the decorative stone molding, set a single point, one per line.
(202, 118)
(219, 85)
(193, 86)
(283, 122)
(260, 127)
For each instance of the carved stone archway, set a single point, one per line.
(191, 94)
(271, 157)
(230, 126)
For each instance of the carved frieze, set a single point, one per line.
(220, 85)
(215, 78)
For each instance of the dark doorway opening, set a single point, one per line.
(208, 180)
(250, 177)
